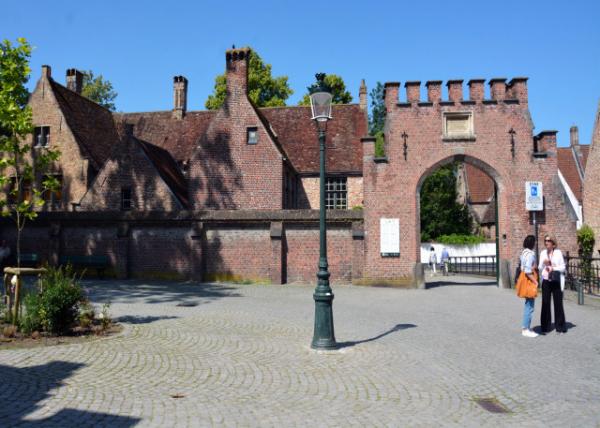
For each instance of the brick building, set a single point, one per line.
(231, 194)
(591, 197)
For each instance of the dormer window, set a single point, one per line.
(41, 136)
(252, 135)
(126, 204)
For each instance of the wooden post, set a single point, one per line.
(17, 300)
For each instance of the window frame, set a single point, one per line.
(336, 193)
(129, 207)
(253, 129)
(44, 131)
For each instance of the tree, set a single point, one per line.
(98, 90)
(336, 86)
(377, 116)
(23, 170)
(441, 214)
(264, 90)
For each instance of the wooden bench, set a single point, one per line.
(95, 262)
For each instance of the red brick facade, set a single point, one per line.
(391, 188)
(591, 195)
(219, 195)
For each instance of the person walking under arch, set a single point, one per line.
(552, 268)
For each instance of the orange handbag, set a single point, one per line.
(526, 288)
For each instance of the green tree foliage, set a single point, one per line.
(22, 169)
(98, 90)
(377, 115)
(441, 214)
(337, 87)
(264, 90)
(586, 241)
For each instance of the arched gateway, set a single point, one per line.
(495, 135)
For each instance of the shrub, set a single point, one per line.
(31, 320)
(379, 145)
(86, 314)
(60, 298)
(456, 239)
(586, 240)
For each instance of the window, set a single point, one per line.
(54, 196)
(126, 198)
(26, 191)
(41, 136)
(458, 125)
(252, 135)
(336, 193)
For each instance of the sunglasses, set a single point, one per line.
(547, 240)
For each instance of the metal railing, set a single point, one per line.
(476, 265)
(584, 271)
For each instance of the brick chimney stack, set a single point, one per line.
(180, 85)
(237, 71)
(74, 80)
(46, 71)
(362, 95)
(574, 136)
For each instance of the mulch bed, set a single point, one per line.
(76, 335)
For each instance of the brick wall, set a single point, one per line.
(591, 195)
(392, 188)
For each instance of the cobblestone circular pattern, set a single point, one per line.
(241, 357)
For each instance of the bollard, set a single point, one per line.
(579, 292)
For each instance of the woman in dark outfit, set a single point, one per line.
(552, 269)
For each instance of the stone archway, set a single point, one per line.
(497, 193)
(495, 135)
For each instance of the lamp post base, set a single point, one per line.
(324, 336)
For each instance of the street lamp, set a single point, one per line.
(323, 337)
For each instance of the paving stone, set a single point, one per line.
(242, 357)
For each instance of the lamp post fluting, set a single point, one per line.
(324, 336)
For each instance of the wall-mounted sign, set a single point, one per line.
(534, 196)
(389, 237)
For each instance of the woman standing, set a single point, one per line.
(552, 267)
(528, 268)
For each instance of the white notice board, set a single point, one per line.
(389, 237)
(534, 196)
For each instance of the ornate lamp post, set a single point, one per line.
(324, 337)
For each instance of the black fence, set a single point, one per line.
(476, 265)
(585, 271)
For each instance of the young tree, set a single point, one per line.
(264, 90)
(22, 169)
(336, 86)
(98, 90)
(441, 214)
(377, 116)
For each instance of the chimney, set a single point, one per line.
(574, 136)
(390, 94)
(74, 80)
(434, 91)
(518, 89)
(237, 71)
(46, 71)
(455, 90)
(476, 89)
(498, 89)
(413, 91)
(180, 84)
(362, 95)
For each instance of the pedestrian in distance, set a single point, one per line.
(552, 268)
(432, 260)
(527, 284)
(445, 261)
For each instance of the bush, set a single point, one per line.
(379, 145)
(456, 239)
(586, 240)
(56, 308)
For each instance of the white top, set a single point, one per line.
(557, 262)
(527, 260)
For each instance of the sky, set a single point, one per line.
(140, 45)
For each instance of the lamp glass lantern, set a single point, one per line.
(320, 100)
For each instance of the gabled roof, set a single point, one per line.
(568, 167)
(297, 134)
(177, 136)
(91, 124)
(480, 186)
(168, 170)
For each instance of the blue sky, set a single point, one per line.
(139, 46)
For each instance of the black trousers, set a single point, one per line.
(551, 291)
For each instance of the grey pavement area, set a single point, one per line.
(239, 355)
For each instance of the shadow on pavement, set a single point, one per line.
(460, 281)
(134, 291)
(568, 325)
(138, 319)
(22, 389)
(397, 327)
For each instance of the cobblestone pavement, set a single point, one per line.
(233, 355)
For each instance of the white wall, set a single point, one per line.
(485, 249)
